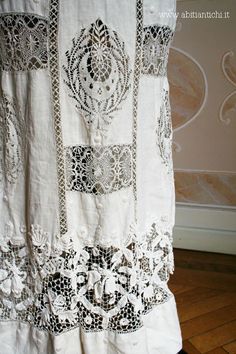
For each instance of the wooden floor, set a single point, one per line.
(204, 285)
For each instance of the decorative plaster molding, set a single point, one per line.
(190, 57)
(228, 106)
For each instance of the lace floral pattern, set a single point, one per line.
(23, 42)
(12, 139)
(99, 288)
(164, 131)
(156, 44)
(98, 169)
(98, 74)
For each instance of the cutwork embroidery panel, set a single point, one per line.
(98, 77)
(12, 139)
(98, 169)
(23, 42)
(99, 288)
(98, 74)
(156, 44)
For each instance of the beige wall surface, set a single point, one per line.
(202, 76)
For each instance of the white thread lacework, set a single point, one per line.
(23, 42)
(156, 44)
(98, 74)
(136, 81)
(61, 286)
(164, 131)
(54, 13)
(98, 169)
(12, 139)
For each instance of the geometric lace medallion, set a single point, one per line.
(23, 42)
(98, 169)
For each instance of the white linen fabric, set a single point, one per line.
(86, 177)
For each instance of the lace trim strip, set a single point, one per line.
(137, 72)
(54, 69)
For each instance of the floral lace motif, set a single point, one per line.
(156, 44)
(23, 42)
(12, 139)
(99, 288)
(98, 169)
(164, 131)
(98, 74)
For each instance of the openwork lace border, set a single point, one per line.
(60, 287)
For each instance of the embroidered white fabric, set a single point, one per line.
(86, 177)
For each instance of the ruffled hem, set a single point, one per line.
(161, 334)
